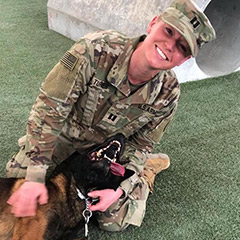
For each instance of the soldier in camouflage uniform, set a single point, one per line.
(105, 84)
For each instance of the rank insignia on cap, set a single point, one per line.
(195, 22)
(69, 60)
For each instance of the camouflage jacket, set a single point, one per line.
(87, 96)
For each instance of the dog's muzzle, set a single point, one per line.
(111, 152)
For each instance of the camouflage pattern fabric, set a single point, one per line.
(85, 99)
(191, 22)
(129, 209)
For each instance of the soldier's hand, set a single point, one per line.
(25, 200)
(106, 198)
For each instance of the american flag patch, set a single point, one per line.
(69, 61)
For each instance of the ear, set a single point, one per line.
(184, 60)
(151, 24)
(128, 174)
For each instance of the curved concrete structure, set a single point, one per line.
(74, 18)
(223, 55)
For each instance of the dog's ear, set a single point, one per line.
(116, 180)
(128, 174)
(67, 164)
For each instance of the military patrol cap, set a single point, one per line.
(186, 17)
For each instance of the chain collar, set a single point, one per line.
(87, 213)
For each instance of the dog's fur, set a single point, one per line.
(63, 211)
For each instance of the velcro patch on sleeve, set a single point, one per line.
(69, 60)
(60, 80)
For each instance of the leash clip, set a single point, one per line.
(87, 213)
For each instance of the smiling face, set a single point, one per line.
(164, 47)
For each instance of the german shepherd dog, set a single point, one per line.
(97, 168)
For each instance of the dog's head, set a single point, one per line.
(106, 156)
(100, 167)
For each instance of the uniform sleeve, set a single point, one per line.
(59, 92)
(138, 145)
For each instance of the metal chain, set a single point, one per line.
(87, 214)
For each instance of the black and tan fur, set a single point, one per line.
(63, 211)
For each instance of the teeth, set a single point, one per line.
(161, 53)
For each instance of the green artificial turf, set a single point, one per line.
(198, 197)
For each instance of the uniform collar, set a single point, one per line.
(149, 91)
(117, 76)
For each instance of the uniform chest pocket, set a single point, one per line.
(124, 118)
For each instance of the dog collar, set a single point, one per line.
(80, 195)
